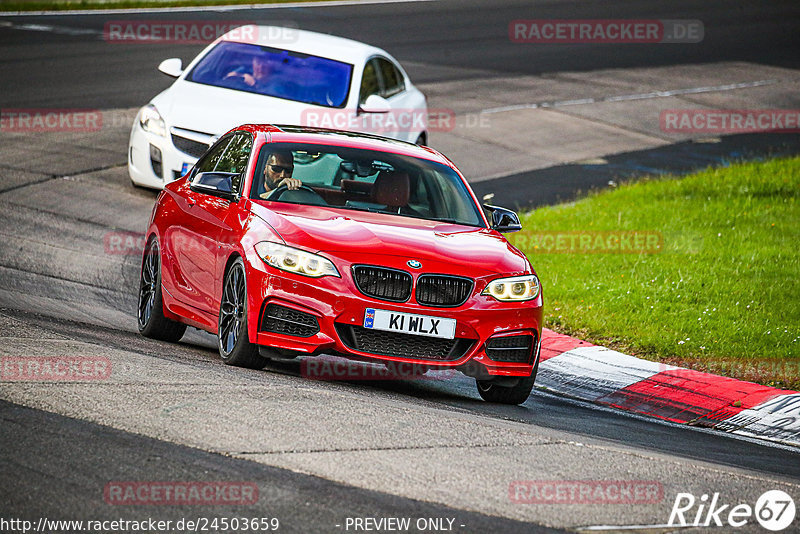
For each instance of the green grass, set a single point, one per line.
(62, 5)
(723, 294)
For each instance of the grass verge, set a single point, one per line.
(64, 5)
(719, 292)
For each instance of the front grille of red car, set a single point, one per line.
(283, 320)
(512, 349)
(383, 283)
(443, 290)
(400, 345)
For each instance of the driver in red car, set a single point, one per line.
(278, 172)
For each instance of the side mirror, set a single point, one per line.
(218, 184)
(375, 104)
(172, 67)
(503, 220)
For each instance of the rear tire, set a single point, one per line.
(232, 340)
(151, 319)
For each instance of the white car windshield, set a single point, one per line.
(365, 180)
(274, 72)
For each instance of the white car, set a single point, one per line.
(267, 74)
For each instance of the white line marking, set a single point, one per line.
(54, 29)
(241, 7)
(630, 527)
(574, 102)
(636, 96)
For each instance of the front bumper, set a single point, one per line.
(338, 308)
(146, 148)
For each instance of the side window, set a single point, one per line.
(392, 78)
(209, 161)
(369, 82)
(236, 157)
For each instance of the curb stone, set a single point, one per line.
(578, 369)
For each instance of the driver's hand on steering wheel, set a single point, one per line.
(246, 78)
(290, 183)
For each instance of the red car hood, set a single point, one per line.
(357, 236)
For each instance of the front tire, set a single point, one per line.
(151, 319)
(490, 391)
(516, 394)
(232, 340)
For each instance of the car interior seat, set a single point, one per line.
(392, 189)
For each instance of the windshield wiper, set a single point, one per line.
(421, 217)
(447, 220)
(358, 208)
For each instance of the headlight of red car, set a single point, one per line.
(513, 289)
(294, 260)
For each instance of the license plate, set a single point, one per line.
(409, 323)
(185, 168)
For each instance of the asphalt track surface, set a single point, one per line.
(52, 464)
(437, 41)
(310, 504)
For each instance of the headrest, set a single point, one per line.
(356, 186)
(392, 188)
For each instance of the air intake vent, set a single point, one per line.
(402, 345)
(443, 290)
(189, 146)
(512, 349)
(283, 320)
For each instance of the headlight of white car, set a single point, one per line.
(150, 120)
(513, 289)
(295, 260)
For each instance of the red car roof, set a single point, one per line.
(301, 134)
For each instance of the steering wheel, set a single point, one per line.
(316, 199)
(235, 79)
(238, 83)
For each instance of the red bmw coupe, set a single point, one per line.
(287, 241)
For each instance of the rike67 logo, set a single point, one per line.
(774, 510)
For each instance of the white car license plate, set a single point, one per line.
(409, 323)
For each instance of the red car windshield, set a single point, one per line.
(365, 180)
(275, 72)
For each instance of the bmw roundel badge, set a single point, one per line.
(414, 264)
